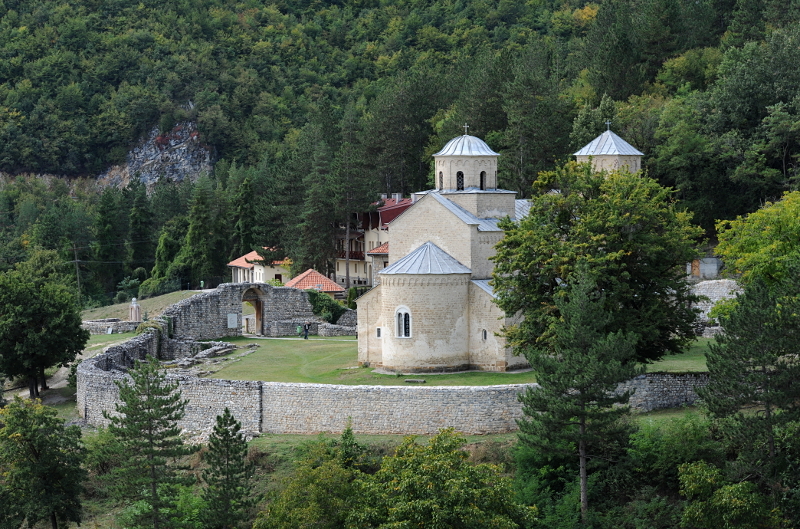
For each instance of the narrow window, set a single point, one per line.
(403, 323)
(484, 334)
(483, 180)
(441, 181)
(459, 181)
(378, 330)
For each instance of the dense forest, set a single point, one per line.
(313, 108)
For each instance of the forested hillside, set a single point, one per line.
(312, 108)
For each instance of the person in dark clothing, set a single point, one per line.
(306, 328)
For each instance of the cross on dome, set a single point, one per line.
(465, 129)
(608, 124)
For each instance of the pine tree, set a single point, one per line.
(753, 389)
(578, 373)
(228, 495)
(145, 424)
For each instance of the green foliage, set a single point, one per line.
(324, 306)
(40, 466)
(656, 451)
(434, 485)
(40, 324)
(148, 326)
(575, 405)
(145, 425)
(752, 391)
(716, 503)
(227, 496)
(634, 240)
(72, 377)
(352, 293)
(762, 244)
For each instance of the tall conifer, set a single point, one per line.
(578, 372)
(145, 423)
(228, 476)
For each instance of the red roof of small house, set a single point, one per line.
(313, 279)
(245, 261)
(380, 250)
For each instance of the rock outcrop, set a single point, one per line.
(175, 155)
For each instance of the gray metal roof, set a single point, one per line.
(521, 208)
(427, 259)
(465, 216)
(466, 146)
(608, 143)
(484, 285)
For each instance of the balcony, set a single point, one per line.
(354, 255)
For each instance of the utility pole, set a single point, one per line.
(77, 269)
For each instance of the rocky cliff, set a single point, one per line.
(176, 155)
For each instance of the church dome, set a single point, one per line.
(466, 146)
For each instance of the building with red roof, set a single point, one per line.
(247, 269)
(311, 279)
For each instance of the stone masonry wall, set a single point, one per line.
(115, 324)
(714, 291)
(656, 391)
(327, 329)
(309, 408)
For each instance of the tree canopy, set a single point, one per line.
(634, 241)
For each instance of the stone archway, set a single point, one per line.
(255, 297)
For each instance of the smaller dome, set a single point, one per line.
(466, 146)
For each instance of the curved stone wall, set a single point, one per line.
(273, 407)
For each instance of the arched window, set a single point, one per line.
(403, 323)
(459, 181)
(483, 180)
(441, 181)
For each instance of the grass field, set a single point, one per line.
(692, 361)
(333, 361)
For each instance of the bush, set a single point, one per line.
(145, 326)
(325, 306)
(158, 286)
(72, 378)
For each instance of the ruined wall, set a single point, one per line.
(115, 324)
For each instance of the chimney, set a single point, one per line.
(383, 196)
(397, 196)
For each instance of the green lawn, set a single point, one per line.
(692, 361)
(333, 361)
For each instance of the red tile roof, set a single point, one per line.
(244, 261)
(313, 279)
(380, 250)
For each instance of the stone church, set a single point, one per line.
(434, 310)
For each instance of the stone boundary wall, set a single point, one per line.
(116, 325)
(713, 291)
(656, 391)
(348, 319)
(327, 329)
(273, 407)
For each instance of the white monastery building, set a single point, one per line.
(433, 308)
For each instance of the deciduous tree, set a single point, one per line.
(634, 240)
(40, 466)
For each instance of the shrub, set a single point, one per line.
(325, 306)
(158, 286)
